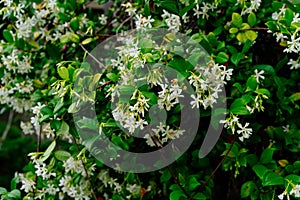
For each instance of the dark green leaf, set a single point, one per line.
(267, 155)
(260, 170)
(251, 19)
(272, 179)
(248, 188)
(238, 107)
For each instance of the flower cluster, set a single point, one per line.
(233, 123)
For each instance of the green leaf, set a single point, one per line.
(8, 36)
(294, 178)
(46, 111)
(288, 16)
(263, 91)
(295, 97)
(222, 57)
(2, 191)
(267, 155)
(87, 41)
(58, 106)
(64, 129)
(62, 155)
(168, 5)
(248, 188)
(69, 37)
(200, 196)
(193, 183)
(272, 26)
(177, 194)
(48, 151)
(116, 197)
(147, 9)
(152, 96)
(260, 170)
(181, 65)
(88, 123)
(251, 19)
(246, 46)
(74, 24)
(242, 37)
(233, 30)
(251, 84)
(236, 58)
(119, 142)
(244, 26)
(238, 86)
(296, 2)
(237, 20)
(272, 179)
(251, 35)
(238, 107)
(268, 69)
(165, 177)
(16, 194)
(63, 73)
(112, 76)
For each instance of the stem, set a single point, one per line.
(159, 144)
(84, 167)
(257, 29)
(126, 20)
(86, 51)
(215, 170)
(8, 125)
(38, 149)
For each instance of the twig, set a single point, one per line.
(121, 25)
(257, 29)
(101, 65)
(38, 149)
(8, 125)
(159, 144)
(215, 170)
(86, 172)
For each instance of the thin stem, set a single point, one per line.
(159, 144)
(86, 172)
(38, 149)
(86, 51)
(8, 125)
(121, 25)
(257, 29)
(215, 170)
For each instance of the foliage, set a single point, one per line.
(253, 49)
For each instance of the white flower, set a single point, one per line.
(103, 19)
(295, 191)
(143, 22)
(258, 75)
(28, 185)
(280, 37)
(172, 21)
(246, 132)
(296, 18)
(286, 128)
(294, 64)
(27, 128)
(293, 45)
(281, 196)
(51, 189)
(72, 165)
